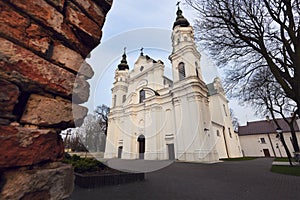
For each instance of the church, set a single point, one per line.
(153, 117)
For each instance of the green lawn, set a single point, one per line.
(238, 159)
(283, 169)
(281, 159)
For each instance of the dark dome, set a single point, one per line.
(180, 20)
(123, 65)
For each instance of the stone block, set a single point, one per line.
(75, 16)
(37, 39)
(59, 4)
(12, 24)
(25, 147)
(93, 10)
(48, 112)
(67, 57)
(86, 70)
(81, 90)
(52, 181)
(104, 4)
(9, 94)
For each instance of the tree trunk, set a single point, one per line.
(294, 138)
(286, 148)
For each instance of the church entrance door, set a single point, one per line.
(120, 151)
(141, 141)
(171, 151)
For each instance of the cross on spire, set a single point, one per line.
(142, 51)
(178, 2)
(124, 50)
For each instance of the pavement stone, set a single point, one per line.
(232, 180)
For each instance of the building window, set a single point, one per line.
(224, 107)
(115, 100)
(181, 70)
(197, 72)
(218, 133)
(142, 96)
(124, 98)
(229, 131)
(262, 140)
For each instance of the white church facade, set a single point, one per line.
(155, 118)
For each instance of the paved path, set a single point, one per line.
(137, 165)
(227, 180)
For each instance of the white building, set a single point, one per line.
(155, 118)
(258, 138)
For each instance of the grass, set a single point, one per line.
(281, 159)
(288, 170)
(284, 159)
(238, 159)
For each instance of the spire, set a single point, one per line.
(123, 65)
(180, 19)
(142, 51)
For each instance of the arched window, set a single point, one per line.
(181, 71)
(142, 96)
(124, 98)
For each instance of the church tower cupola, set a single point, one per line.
(123, 65)
(180, 19)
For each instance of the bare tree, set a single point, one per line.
(250, 35)
(267, 97)
(102, 113)
(234, 120)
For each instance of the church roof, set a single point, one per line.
(180, 19)
(264, 126)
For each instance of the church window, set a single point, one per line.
(142, 96)
(218, 133)
(262, 140)
(178, 41)
(185, 38)
(229, 131)
(115, 100)
(197, 72)
(181, 70)
(124, 98)
(224, 107)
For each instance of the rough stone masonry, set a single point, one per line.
(43, 44)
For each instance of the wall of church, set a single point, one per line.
(221, 116)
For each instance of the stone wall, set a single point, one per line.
(42, 80)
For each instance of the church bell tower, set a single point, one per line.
(120, 87)
(185, 57)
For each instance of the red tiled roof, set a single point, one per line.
(265, 126)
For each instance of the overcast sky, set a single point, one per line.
(145, 23)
